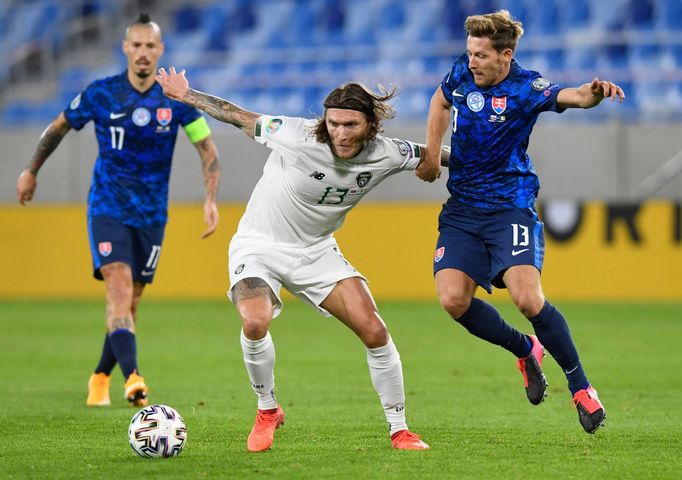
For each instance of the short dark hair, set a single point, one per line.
(503, 31)
(354, 96)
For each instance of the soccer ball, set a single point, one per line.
(157, 431)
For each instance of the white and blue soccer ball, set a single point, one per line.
(157, 431)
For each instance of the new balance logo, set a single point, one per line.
(317, 175)
(114, 116)
(517, 252)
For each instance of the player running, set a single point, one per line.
(317, 172)
(489, 230)
(136, 126)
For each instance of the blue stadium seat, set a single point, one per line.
(668, 15)
(641, 15)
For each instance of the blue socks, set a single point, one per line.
(552, 331)
(107, 361)
(485, 322)
(123, 345)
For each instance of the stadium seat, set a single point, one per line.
(242, 48)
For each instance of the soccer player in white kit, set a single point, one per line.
(317, 172)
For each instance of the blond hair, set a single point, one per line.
(499, 27)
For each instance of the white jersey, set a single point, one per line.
(305, 191)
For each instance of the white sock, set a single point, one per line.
(259, 359)
(387, 376)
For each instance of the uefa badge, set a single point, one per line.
(164, 116)
(273, 125)
(438, 256)
(499, 105)
(104, 248)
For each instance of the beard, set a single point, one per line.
(142, 74)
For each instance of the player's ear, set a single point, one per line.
(162, 48)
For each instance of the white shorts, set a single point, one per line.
(309, 273)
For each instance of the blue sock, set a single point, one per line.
(107, 361)
(123, 345)
(552, 331)
(484, 321)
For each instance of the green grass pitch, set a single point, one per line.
(464, 396)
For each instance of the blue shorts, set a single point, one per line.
(485, 243)
(112, 241)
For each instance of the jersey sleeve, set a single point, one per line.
(542, 95)
(280, 133)
(452, 79)
(408, 153)
(82, 108)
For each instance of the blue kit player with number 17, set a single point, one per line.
(489, 230)
(136, 126)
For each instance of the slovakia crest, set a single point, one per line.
(499, 105)
(104, 248)
(164, 116)
(440, 253)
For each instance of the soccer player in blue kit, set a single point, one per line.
(136, 126)
(489, 229)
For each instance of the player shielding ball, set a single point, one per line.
(136, 126)
(317, 172)
(490, 233)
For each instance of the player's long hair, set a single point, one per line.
(354, 96)
(503, 31)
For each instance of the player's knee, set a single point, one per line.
(374, 335)
(529, 304)
(455, 305)
(255, 326)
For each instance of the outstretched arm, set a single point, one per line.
(590, 94)
(49, 140)
(437, 123)
(176, 86)
(211, 170)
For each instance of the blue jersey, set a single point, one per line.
(489, 167)
(136, 134)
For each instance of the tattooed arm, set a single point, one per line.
(176, 86)
(211, 170)
(51, 137)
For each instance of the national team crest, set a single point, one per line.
(104, 248)
(363, 178)
(499, 105)
(439, 254)
(164, 116)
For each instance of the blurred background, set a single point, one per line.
(611, 189)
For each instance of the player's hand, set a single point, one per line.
(605, 89)
(211, 218)
(429, 168)
(26, 186)
(174, 84)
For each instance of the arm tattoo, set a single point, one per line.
(222, 110)
(253, 287)
(210, 166)
(122, 323)
(49, 140)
